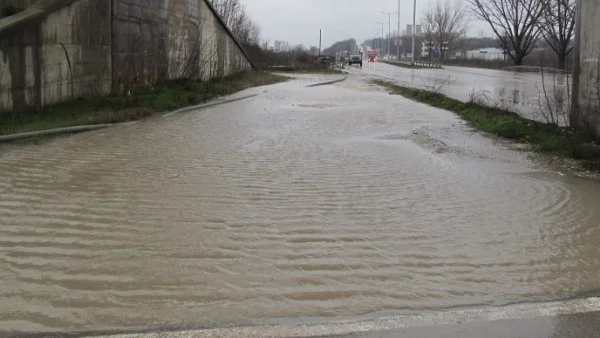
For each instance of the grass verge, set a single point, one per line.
(546, 138)
(408, 65)
(114, 109)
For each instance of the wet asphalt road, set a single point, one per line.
(578, 318)
(300, 204)
(584, 325)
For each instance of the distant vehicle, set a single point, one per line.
(356, 57)
(372, 54)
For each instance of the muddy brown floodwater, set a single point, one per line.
(533, 95)
(301, 203)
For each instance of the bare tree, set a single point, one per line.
(428, 26)
(557, 24)
(444, 21)
(282, 46)
(233, 12)
(514, 22)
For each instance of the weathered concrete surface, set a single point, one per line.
(76, 52)
(58, 50)
(62, 55)
(586, 84)
(8, 6)
(170, 40)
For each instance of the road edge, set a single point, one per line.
(327, 82)
(92, 127)
(336, 328)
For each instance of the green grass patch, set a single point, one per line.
(114, 109)
(547, 138)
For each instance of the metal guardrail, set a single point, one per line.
(417, 63)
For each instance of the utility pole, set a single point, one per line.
(382, 24)
(398, 35)
(376, 30)
(389, 30)
(414, 28)
(389, 33)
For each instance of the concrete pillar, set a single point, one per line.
(586, 74)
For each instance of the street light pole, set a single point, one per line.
(382, 23)
(376, 30)
(389, 33)
(398, 35)
(414, 28)
(389, 48)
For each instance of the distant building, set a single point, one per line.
(488, 54)
(409, 30)
(428, 46)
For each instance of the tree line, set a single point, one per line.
(247, 32)
(234, 14)
(519, 25)
(349, 44)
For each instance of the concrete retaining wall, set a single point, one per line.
(165, 40)
(57, 50)
(76, 51)
(8, 6)
(586, 80)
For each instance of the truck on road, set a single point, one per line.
(356, 57)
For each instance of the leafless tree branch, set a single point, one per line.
(444, 21)
(557, 26)
(514, 22)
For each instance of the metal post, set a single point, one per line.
(389, 46)
(382, 36)
(398, 35)
(320, 39)
(389, 33)
(376, 30)
(414, 28)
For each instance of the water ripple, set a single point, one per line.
(250, 211)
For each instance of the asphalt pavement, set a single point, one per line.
(580, 325)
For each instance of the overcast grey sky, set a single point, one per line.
(298, 21)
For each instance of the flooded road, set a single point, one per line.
(529, 94)
(298, 204)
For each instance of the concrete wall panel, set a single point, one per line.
(66, 54)
(77, 39)
(70, 52)
(18, 67)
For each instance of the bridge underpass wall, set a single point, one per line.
(59, 50)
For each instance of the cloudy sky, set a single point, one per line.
(298, 21)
